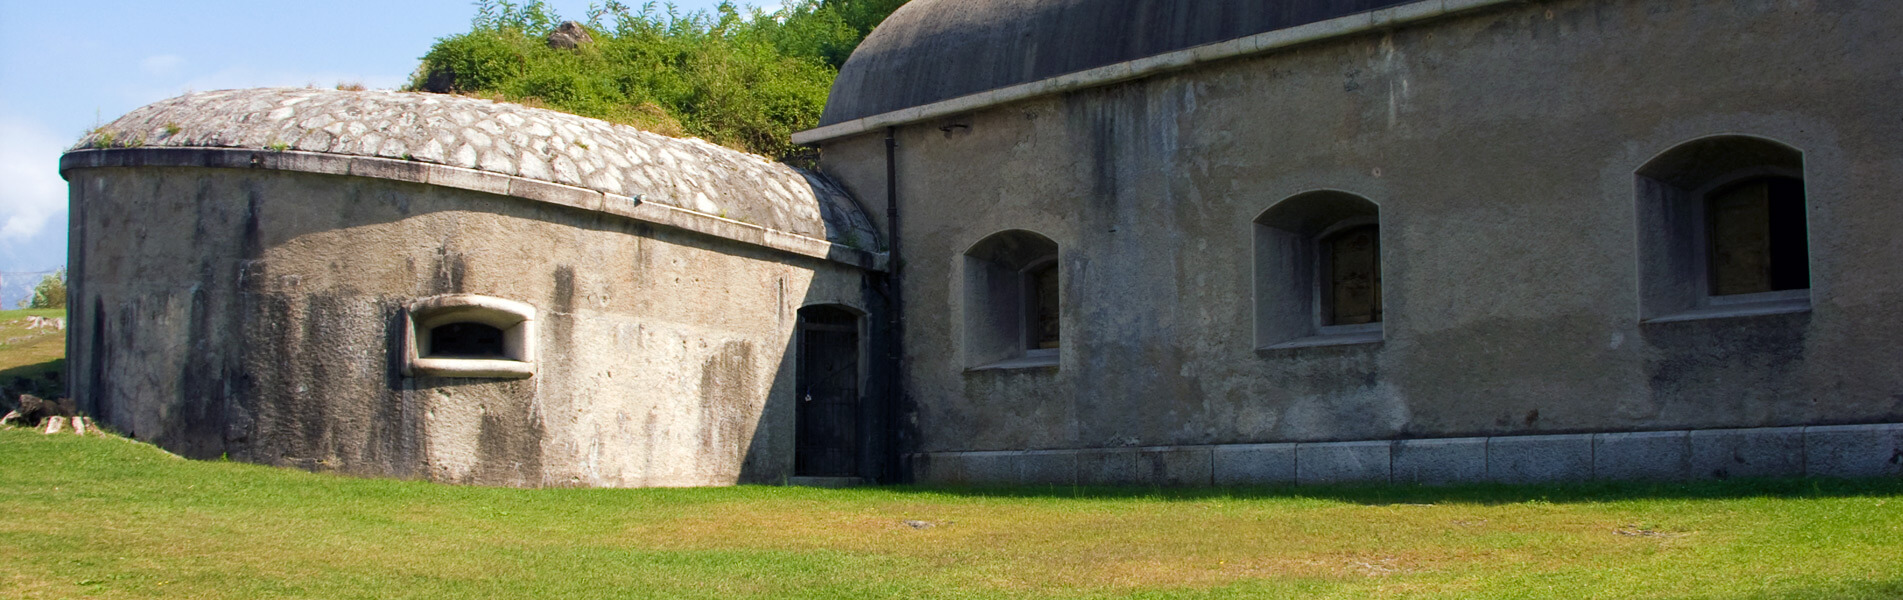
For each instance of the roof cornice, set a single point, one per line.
(527, 189)
(1261, 43)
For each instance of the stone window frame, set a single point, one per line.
(1289, 269)
(998, 300)
(1672, 195)
(515, 319)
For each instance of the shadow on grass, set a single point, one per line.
(1484, 494)
(42, 379)
(1850, 589)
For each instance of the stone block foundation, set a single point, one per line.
(1821, 451)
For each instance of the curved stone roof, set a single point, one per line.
(932, 50)
(506, 139)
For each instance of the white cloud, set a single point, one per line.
(31, 191)
(163, 64)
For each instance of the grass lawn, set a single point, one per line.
(105, 517)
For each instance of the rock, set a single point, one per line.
(54, 425)
(569, 35)
(918, 524)
(79, 425)
(34, 409)
(440, 81)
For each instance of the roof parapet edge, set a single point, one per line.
(1261, 43)
(479, 181)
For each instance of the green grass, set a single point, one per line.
(105, 517)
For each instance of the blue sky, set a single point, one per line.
(66, 66)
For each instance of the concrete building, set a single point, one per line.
(1411, 241)
(1094, 241)
(418, 285)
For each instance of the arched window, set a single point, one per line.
(466, 335)
(1013, 298)
(1723, 230)
(1318, 271)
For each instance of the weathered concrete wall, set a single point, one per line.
(1501, 148)
(255, 314)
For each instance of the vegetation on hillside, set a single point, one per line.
(49, 293)
(746, 80)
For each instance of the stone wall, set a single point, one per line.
(1501, 147)
(255, 312)
(1816, 451)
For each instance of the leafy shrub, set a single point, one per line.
(747, 81)
(475, 61)
(50, 293)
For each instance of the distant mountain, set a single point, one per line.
(16, 287)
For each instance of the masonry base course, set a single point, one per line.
(1874, 450)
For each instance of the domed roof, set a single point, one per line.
(932, 50)
(504, 139)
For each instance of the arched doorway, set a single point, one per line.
(826, 435)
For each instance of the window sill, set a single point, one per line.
(1750, 309)
(489, 368)
(1330, 339)
(1046, 361)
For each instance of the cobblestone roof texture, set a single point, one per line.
(501, 138)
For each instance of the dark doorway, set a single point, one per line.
(826, 435)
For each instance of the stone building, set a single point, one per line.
(1435, 240)
(1093, 241)
(420, 285)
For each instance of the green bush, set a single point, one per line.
(474, 61)
(746, 81)
(50, 293)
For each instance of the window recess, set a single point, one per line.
(1723, 230)
(466, 335)
(1318, 272)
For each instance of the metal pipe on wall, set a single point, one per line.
(895, 439)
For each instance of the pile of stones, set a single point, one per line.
(52, 415)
